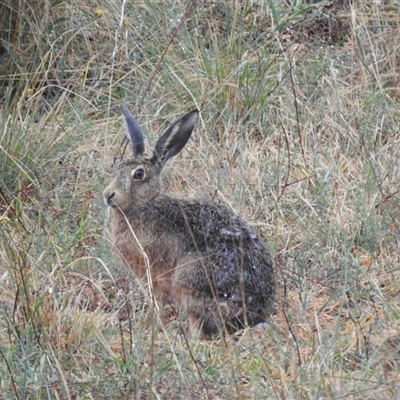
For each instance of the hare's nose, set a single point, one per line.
(111, 196)
(108, 195)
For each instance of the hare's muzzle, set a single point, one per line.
(108, 195)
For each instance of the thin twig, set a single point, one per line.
(289, 161)
(195, 364)
(386, 198)
(11, 375)
(297, 113)
(287, 184)
(292, 333)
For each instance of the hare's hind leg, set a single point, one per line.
(193, 291)
(184, 293)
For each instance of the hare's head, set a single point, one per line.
(137, 180)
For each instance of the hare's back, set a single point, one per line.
(232, 250)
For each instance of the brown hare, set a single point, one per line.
(199, 254)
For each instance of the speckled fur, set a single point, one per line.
(202, 256)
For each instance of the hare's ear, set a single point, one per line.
(174, 138)
(133, 132)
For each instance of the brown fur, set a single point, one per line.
(201, 256)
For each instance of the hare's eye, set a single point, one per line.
(138, 174)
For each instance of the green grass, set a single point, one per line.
(298, 134)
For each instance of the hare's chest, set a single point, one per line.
(131, 247)
(142, 249)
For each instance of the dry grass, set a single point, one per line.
(298, 134)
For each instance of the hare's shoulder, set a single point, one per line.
(207, 223)
(196, 211)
